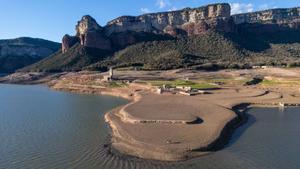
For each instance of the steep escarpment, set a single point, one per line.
(20, 52)
(272, 34)
(268, 21)
(183, 38)
(282, 17)
(97, 43)
(126, 30)
(189, 21)
(88, 34)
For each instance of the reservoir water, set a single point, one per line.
(41, 128)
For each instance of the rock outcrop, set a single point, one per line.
(20, 52)
(89, 34)
(125, 30)
(269, 21)
(118, 32)
(210, 16)
(68, 41)
(272, 16)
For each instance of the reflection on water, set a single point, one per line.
(40, 128)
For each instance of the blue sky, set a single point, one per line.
(51, 19)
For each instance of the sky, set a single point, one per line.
(51, 19)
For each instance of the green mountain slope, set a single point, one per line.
(20, 52)
(207, 51)
(180, 52)
(74, 60)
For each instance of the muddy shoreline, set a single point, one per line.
(239, 108)
(217, 145)
(220, 113)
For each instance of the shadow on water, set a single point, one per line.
(237, 134)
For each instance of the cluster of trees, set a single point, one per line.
(178, 53)
(210, 51)
(75, 59)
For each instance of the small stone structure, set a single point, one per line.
(109, 77)
(182, 90)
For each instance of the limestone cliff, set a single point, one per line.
(202, 19)
(187, 21)
(127, 30)
(68, 41)
(203, 36)
(268, 21)
(273, 16)
(89, 34)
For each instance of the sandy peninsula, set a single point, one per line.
(173, 127)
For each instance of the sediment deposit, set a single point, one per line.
(174, 127)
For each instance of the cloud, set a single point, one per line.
(237, 8)
(163, 3)
(173, 9)
(266, 6)
(145, 10)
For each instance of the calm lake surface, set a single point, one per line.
(41, 128)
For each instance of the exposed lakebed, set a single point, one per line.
(42, 128)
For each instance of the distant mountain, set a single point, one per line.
(75, 59)
(203, 37)
(20, 52)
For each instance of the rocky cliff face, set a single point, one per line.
(272, 16)
(17, 53)
(269, 21)
(89, 34)
(187, 21)
(68, 41)
(124, 30)
(205, 18)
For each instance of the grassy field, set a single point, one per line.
(224, 81)
(185, 83)
(115, 84)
